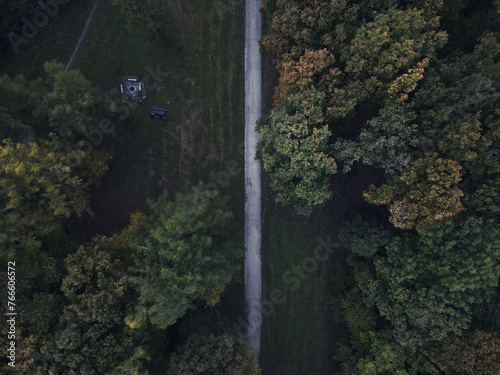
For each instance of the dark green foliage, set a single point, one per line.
(214, 355)
(209, 344)
(485, 197)
(371, 351)
(386, 141)
(91, 336)
(376, 352)
(467, 20)
(185, 253)
(63, 102)
(358, 316)
(435, 298)
(364, 237)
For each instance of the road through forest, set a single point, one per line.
(253, 110)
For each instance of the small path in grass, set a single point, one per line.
(82, 36)
(253, 110)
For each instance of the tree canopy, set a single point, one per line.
(42, 183)
(426, 192)
(65, 103)
(185, 253)
(91, 335)
(294, 151)
(205, 353)
(436, 298)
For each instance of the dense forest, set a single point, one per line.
(410, 88)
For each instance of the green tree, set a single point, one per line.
(294, 151)
(64, 102)
(428, 284)
(358, 316)
(363, 237)
(370, 351)
(457, 111)
(74, 106)
(386, 141)
(91, 336)
(184, 254)
(20, 95)
(18, 98)
(205, 353)
(382, 355)
(484, 197)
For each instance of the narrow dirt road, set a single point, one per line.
(253, 110)
(82, 36)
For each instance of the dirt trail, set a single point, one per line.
(82, 36)
(253, 110)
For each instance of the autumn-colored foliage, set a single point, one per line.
(298, 26)
(42, 183)
(313, 69)
(475, 353)
(425, 193)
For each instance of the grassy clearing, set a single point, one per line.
(56, 41)
(197, 73)
(300, 335)
(199, 78)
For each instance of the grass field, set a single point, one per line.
(197, 74)
(300, 331)
(56, 40)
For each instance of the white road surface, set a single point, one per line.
(253, 110)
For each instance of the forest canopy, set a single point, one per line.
(424, 78)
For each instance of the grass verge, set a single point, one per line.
(300, 332)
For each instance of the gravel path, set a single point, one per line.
(253, 110)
